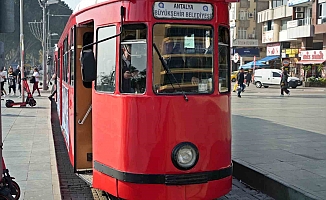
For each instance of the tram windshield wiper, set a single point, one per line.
(168, 71)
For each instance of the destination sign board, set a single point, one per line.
(177, 10)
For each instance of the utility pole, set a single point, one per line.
(7, 17)
(22, 67)
(43, 4)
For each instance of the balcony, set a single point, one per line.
(265, 15)
(245, 43)
(300, 28)
(283, 36)
(244, 24)
(279, 12)
(244, 4)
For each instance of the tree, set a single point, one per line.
(32, 12)
(305, 69)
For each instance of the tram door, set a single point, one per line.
(83, 102)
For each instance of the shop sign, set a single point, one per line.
(236, 57)
(273, 49)
(177, 10)
(268, 36)
(313, 55)
(285, 62)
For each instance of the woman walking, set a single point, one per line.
(12, 80)
(35, 85)
(284, 82)
(2, 82)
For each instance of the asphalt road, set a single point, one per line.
(276, 134)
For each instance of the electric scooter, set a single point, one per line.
(29, 99)
(9, 189)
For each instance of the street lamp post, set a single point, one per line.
(22, 67)
(44, 4)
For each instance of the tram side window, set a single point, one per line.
(106, 60)
(133, 59)
(72, 56)
(224, 59)
(65, 73)
(59, 63)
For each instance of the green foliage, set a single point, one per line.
(32, 12)
(317, 81)
(306, 67)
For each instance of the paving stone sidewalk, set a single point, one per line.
(279, 143)
(29, 150)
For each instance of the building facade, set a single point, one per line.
(246, 40)
(295, 30)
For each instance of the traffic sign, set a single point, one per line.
(236, 57)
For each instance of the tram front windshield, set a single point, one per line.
(188, 52)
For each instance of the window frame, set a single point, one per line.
(72, 56)
(115, 59)
(175, 84)
(228, 62)
(120, 59)
(65, 64)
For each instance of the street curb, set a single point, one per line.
(54, 166)
(267, 183)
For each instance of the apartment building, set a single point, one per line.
(246, 40)
(294, 33)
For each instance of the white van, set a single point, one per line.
(267, 77)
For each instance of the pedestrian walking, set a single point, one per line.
(12, 80)
(36, 76)
(54, 87)
(240, 81)
(284, 82)
(19, 78)
(2, 82)
(248, 79)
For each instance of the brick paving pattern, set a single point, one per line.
(241, 191)
(71, 186)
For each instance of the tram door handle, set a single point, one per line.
(86, 115)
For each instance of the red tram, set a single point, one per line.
(144, 97)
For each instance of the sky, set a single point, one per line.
(72, 3)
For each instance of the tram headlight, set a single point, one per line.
(185, 156)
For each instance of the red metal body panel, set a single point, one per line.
(137, 133)
(71, 123)
(143, 131)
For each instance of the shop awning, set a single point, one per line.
(268, 58)
(251, 64)
(307, 62)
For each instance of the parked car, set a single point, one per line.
(234, 76)
(267, 77)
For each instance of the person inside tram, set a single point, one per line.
(126, 69)
(174, 62)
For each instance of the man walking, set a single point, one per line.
(284, 82)
(240, 81)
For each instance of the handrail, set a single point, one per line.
(86, 115)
